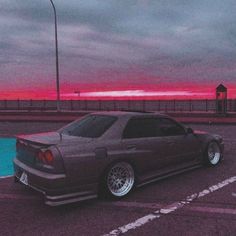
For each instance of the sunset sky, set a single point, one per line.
(118, 48)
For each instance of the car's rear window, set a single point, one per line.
(92, 126)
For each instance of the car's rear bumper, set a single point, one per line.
(53, 186)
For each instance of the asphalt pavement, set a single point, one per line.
(199, 202)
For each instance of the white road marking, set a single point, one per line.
(145, 205)
(170, 208)
(234, 194)
(4, 177)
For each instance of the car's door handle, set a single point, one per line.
(131, 147)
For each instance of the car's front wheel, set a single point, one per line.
(120, 179)
(213, 154)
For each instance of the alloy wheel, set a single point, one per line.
(120, 179)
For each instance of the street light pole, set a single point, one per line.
(57, 61)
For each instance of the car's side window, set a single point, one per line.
(168, 127)
(140, 128)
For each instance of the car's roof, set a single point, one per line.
(128, 113)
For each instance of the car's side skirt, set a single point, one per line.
(168, 174)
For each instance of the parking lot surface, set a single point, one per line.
(199, 202)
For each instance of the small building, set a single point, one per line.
(221, 99)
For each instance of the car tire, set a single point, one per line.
(213, 154)
(119, 180)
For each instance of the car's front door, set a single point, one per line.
(142, 145)
(183, 147)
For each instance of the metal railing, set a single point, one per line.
(142, 105)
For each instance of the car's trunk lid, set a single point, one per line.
(49, 138)
(52, 138)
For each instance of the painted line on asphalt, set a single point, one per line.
(170, 208)
(4, 177)
(145, 205)
(234, 194)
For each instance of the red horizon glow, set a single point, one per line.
(123, 92)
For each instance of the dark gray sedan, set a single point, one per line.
(110, 152)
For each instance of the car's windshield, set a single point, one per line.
(92, 126)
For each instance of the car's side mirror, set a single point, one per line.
(189, 131)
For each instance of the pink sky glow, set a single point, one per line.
(118, 49)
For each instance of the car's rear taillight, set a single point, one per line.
(45, 157)
(48, 157)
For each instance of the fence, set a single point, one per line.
(142, 105)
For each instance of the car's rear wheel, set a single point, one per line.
(120, 179)
(213, 154)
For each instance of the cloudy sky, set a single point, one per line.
(153, 48)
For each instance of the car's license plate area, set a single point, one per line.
(24, 178)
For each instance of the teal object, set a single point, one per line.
(7, 153)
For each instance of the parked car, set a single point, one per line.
(110, 152)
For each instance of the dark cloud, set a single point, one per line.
(170, 39)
